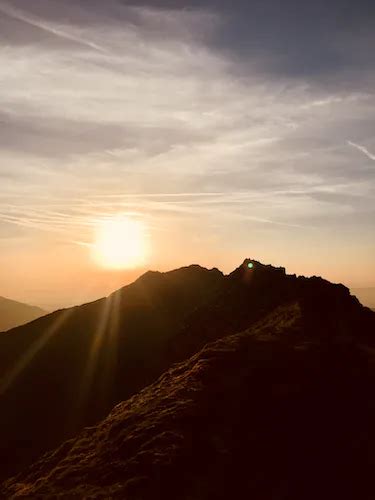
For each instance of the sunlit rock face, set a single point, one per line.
(82, 361)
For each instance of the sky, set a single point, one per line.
(226, 129)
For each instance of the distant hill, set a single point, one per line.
(365, 295)
(67, 370)
(14, 313)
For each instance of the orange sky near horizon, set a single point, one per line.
(53, 274)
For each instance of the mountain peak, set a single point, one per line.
(250, 267)
(193, 269)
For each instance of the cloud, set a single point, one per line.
(363, 150)
(57, 31)
(180, 117)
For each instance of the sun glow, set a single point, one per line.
(121, 243)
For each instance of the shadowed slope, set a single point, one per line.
(14, 313)
(68, 369)
(274, 412)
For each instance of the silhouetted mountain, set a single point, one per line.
(250, 294)
(13, 313)
(276, 412)
(67, 370)
(366, 296)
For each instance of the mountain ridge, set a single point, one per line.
(254, 292)
(84, 360)
(366, 295)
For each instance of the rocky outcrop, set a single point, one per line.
(251, 293)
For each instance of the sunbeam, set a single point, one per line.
(100, 356)
(33, 350)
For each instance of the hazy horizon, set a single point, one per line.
(98, 290)
(153, 135)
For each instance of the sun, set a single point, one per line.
(120, 243)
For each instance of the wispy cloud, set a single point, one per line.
(363, 149)
(50, 28)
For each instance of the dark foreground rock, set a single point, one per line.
(271, 413)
